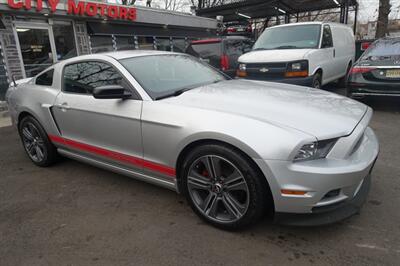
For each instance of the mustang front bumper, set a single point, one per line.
(336, 186)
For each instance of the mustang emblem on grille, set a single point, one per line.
(264, 69)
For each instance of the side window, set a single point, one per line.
(327, 37)
(46, 79)
(85, 76)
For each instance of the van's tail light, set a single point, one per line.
(224, 62)
(360, 70)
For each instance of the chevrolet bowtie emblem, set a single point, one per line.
(264, 69)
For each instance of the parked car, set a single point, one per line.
(238, 28)
(234, 148)
(309, 54)
(377, 72)
(222, 53)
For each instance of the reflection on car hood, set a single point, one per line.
(316, 112)
(265, 56)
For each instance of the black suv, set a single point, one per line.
(222, 52)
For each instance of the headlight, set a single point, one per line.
(315, 150)
(241, 71)
(297, 69)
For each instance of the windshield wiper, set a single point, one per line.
(182, 90)
(259, 49)
(174, 93)
(286, 47)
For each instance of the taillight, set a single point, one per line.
(365, 45)
(224, 62)
(230, 29)
(249, 29)
(357, 69)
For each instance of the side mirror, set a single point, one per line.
(111, 92)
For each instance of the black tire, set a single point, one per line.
(343, 81)
(48, 151)
(317, 81)
(259, 198)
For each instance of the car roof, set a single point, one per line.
(308, 23)
(134, 53)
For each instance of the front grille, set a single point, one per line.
(266, 70)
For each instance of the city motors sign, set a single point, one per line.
(79, 8)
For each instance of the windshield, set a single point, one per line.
(289, 37)
(386, 48)
(162, 75)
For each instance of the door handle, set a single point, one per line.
(334, 53)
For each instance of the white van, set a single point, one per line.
(308, 54)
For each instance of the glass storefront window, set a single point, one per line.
(125, 43)
(180, 45)
(35, 49)
(64, 41)
(145, 43)
(163, 43)
(99, 43)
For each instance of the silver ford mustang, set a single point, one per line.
(236, 149)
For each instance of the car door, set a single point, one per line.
(108, 130)
(328, 55)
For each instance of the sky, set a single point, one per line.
(369, 10)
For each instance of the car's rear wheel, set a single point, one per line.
(36, 142)
(223, 187)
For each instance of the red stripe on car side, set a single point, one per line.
(115, 155)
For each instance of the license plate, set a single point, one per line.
(240, 29)
(395, 73)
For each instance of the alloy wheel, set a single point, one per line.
(33, 142)
(218, 189)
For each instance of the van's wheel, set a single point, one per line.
(36, 142)
(223, 187)
(317, 83)
(343, 81)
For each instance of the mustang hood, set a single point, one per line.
(273, 56)
(316, 112)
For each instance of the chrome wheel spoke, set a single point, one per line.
(212, 164)
(233, 206)
(210, 205)
(39, 153)
(30, 147)
(236, 182)
(27, 134)
(196, 181)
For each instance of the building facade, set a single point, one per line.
(37, 33)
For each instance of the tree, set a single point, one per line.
(383, 18)
(174, 5)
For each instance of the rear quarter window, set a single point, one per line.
(45, 79)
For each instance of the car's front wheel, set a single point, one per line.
(223, 187)
(36, 142)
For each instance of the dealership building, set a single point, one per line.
(37, 33)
